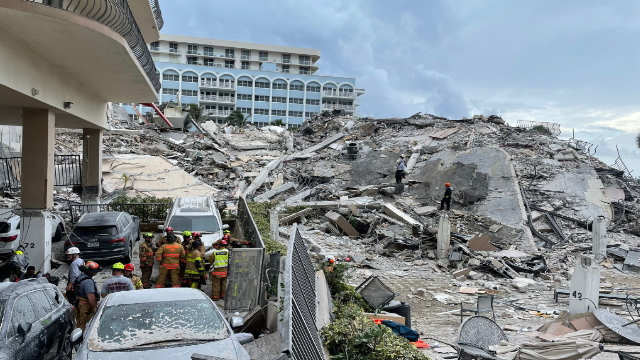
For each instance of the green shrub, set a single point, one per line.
(260, 213)
(277, 122)
(542, 130)
(144, 213)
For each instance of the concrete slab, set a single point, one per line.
(585, 186)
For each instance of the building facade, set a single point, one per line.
(268, 82)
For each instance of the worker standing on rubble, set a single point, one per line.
(135, 280)
(194, 267)
(447, 197)
(400, 168)
(219, 261)
(146, 259)
(165, 239)
(118, 282)
(86, 304)
(170, 255)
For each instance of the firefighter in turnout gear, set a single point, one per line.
(186, 244)
(146, 259)
(170, 255)
(165, 239)
(219, 261)
(198, 236)
(195, 265)
(86, 303)
(135, 280)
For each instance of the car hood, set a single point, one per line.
(223, 349)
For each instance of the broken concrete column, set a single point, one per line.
(444, 237)
(585, 285)
(599, 232)
(274, 224)
(91, 166)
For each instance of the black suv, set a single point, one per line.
(36, 321)
(105, 236)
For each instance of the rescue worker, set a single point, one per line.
(163, 240)
(198, 236)
(30, 274)
(135, 280)
(186, 239)
(400, 168)
(203, 275)
(194, 265)
(73, 255)
(219, 260)
(186, 243)
(146, 259)
(118, 282)
(227, 235)
(87, 293)
(447, 197)
(169, 255)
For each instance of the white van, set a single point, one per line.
(195, 214)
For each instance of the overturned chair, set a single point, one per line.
(477, 333)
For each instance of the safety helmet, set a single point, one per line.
(186, 233)
(19, 252)
(91, 267)
(118, 266)
(171, 238)
(73, 250)
(447, 184)
(227, 232)
(169, 229)
(129, 267)
(402, 155)
(224, 242)
(329, 259)
(196, 235)
(196, 244)
(148, 235)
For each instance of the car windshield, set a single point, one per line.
(207, 223)
(152, 324)
(82, 231)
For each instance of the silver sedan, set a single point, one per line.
(171, 323)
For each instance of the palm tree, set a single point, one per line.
(638, 140)
(197, 113)
(237, 118)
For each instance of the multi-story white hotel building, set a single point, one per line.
(267, 81)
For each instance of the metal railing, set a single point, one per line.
(67, 171)
(341, 93)
(300, 334)
(214, 98)
(554, 128)
(116, 15)
(620, 165)
(217, 84)
(221, 113)
(146, 212)
(157, 14)
(338, 107)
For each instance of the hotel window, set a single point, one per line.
(245, 83)
(244, 110)
(245, 65)
(304, 70)
(244, 97)
(295, 113)
(262, 98)
(208, 62)
(168, 91)
(279, 112)
(155, 46)
(229, 53)
(192, 49)
(261, 111)
(313, 102)
(170, 77)
(279, 99)
(313, 88)
(279, 86)
(192, 60)
(296, 101)
(229, 64)
(304, 60)
(296, 87)
(286, 58)
(189, 92)
(285, 69)
(208, 51)
(264, 56)
(187, 78)
(173, 47)
(262, 84)
(246, 55)
(310, 114)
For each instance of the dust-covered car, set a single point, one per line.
(171, 323)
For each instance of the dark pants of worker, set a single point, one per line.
(445, 201)
(399, 176)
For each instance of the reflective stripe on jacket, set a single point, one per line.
(170, 255)
(192, 257)
(221, 258)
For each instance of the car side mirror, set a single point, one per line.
(225, 226)
(23, 329)
(76, 336)
(161, 227)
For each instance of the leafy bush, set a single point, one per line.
(260, 213)
(143, 212)
(542, 129)
(343, 293)
(277, 122)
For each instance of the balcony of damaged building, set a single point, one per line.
(62, 62)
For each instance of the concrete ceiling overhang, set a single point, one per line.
(141, 9)
(86, 50)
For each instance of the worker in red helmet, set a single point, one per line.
(128, 272)
(87, 296)
(447, 197)
(163, 240)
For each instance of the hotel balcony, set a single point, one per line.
(219, 113)
(212, 84)
(338, 107)
(338, 94)
(217, 99)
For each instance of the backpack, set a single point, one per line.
(72, 296)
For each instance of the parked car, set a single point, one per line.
(105, 235)
(10, 231)
(36, 321)
(171, 323)
(196, 214)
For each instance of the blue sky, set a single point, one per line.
(572, 62)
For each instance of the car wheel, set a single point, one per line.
(58, 234)
(129, 256)
(67, 349)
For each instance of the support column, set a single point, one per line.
(91, 165)
(444, 237)
(585, 285)
(38, 129)
(599, 232)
